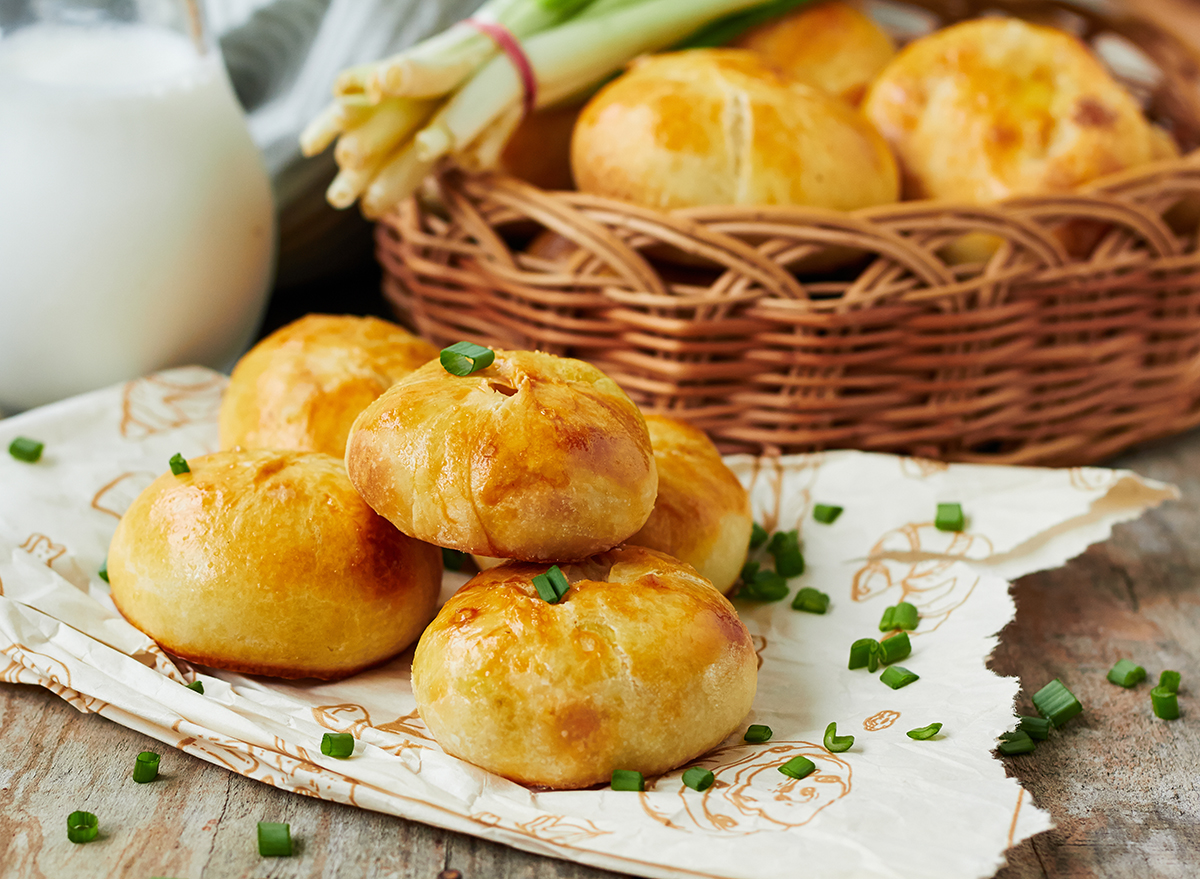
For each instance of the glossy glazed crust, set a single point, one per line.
(998, 107)
(536, 457)
(702, 513)
(269, 563)
(302, 386)
(720, 126)
(642, 665)
(830, 45)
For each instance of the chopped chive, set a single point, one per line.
(834, 742)
(1056, 703)
(274, 840)
(798, 767)
(766, 586)
(811, 600)
(464, 358)
(339, 744)
(25, 449)
(698, 778)
(864, 653)
(198, 686)
(924, 732)
(887, 622)
(1036, 727)
(1126, 674)
(826, 514)
(749, 571)
(627, 779)
(757, 732)
(1016, 742)
(145, 768)
(552, 585)
(906, 616)
(179, 465)
(82, 826)
(452, 559)
(1169, 680)
(949, 518)
(895, 648)
(897, 676)
(758, 535)
(103, 572)
(1165, 703)
(785, 548)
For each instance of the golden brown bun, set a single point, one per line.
(302, 386)
(831, 45)
(702, 513)
(642, 665)
(998, 107)
(719, 126)
(269, 562)
(536, 457)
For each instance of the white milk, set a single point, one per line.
(137, 229)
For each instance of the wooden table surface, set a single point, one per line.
(1122, 786)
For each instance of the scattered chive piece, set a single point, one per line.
(757, 732)
(1036, 727)
(25, 449)
(766, 586)
(887, 622)
(179, 465)
(834, 742)
(145, 768)
(1165, 703)
(452, 559)
(897, 676)
(552, 585)
(906, 616)
(826, 514)
(1169, 681)
(895, 648)
(1056, 703)
(785, 547)
(274, 840)
(949, 518)
(464, 358)
(798, 767)
(1016, 742)
(925, 732)
(698, 778)
(758, 535)
(103, 572)
(82, 827)
(749, 571)
(338, 744)
(198, 686)
(627, 779)
(864, 653)
(811, 600)
(1126, 674)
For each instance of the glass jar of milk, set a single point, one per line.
(137, 229)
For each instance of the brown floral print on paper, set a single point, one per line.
(164, 402)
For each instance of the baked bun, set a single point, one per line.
(302, 386)
(720, 126)
(641, 665)
(830, 45)
(536, 457)
(998, 107)
(268, 562)
(702, 513)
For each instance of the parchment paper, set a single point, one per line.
(888, 807)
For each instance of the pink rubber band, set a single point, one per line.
(512, 48)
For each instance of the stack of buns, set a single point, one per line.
(295, 563)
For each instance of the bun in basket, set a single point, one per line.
(268, 562)
(702, 513)
(302, 386)
(998, 107)
(641, 665)
(720, 126)
(536, 457)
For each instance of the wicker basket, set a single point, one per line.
(1035, 356)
